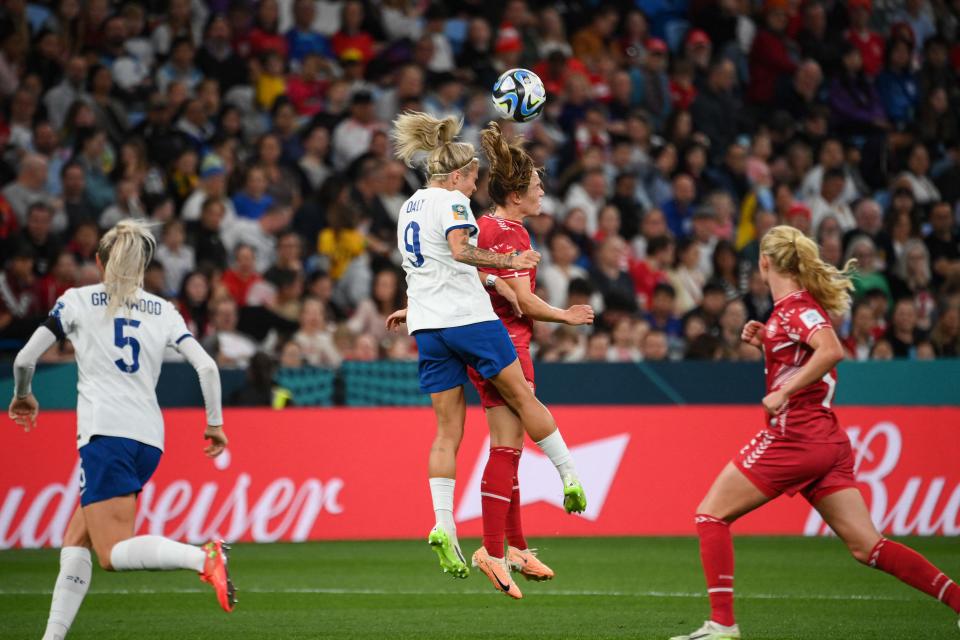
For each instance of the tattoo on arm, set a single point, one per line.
(471, 255)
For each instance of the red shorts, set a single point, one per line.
(489, 396)
(814, 469)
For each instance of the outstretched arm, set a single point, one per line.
(463, 251)
(535, 307)
(210, 387)
(24, 408)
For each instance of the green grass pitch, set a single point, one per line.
(605, 588)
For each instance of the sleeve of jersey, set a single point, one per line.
(806, 322)
(209, 377)
(177, 331)
(62, 318)
(457, 215)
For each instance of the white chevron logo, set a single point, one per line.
(597, 463)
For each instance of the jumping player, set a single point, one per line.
(802, 448)
(516, 190)
(120, 332)
(451, 318)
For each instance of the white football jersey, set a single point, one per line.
(441, 292)
(118, 361)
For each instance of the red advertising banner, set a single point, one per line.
(361, 473)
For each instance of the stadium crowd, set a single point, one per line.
(255, 135)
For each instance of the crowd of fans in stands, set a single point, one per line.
(255, 135)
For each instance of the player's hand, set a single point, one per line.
(752, 332)
(774, 401)
(525, 260)
(579, 314)
(509, 295)
(395, 319)
(218, 441)
(24, 412)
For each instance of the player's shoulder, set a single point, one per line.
(802, 307)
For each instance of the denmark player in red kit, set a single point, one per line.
(802, 448)
(516, 190)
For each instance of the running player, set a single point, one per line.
(802, 449)
(451, 318)
(516, 190)
(119, 333)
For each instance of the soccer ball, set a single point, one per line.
(519, 95)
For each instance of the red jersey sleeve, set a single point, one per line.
(805, 320)
(503, 236)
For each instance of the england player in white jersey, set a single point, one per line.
(119, 333)
(449, 314)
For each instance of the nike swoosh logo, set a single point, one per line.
(503, 587)
(459, 555)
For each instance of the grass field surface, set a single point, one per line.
(643, 588)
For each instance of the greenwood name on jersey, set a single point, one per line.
(441, 292)
(119, 357)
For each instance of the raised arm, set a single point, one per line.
(463, 251)
(210, 387)
(535, 307)
(827, 352)
(24, 407)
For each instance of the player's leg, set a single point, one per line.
(731, 496)
(450, 408)
(496, 489)
(519, 557)
(846, 513)
(115, 470)
(539, 423)
(73, 580)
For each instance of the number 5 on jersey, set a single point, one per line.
(121, 340)
(411, 242)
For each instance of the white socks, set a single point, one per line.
(69, 590)
(555, 448)
(155, 553)
(441, 490)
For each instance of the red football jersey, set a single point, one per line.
(506, 236)
(808, 415)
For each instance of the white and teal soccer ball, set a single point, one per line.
(519, 95)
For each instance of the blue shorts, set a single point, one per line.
(112, 466)
(446, 353)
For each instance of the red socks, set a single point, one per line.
(514, 528)
(911, 567)
(716, 554)
(496, 490)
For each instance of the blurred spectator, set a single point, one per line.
(861, 338)
(38, 235)
(655, 346)
(231, 348)
(686, 277)
(242, 275)
(773, 54)
(20, 295)
(556, 276)
(946, 333)
(258, 389)
(193, 303)
(176, 257)
(943, 242)
(661, 316)
(314, 338)
(904, 334)
(652, 270)
(386, 297)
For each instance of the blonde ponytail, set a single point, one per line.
(794, 254)
(124, 252)
(415, 132)
(511, 168)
